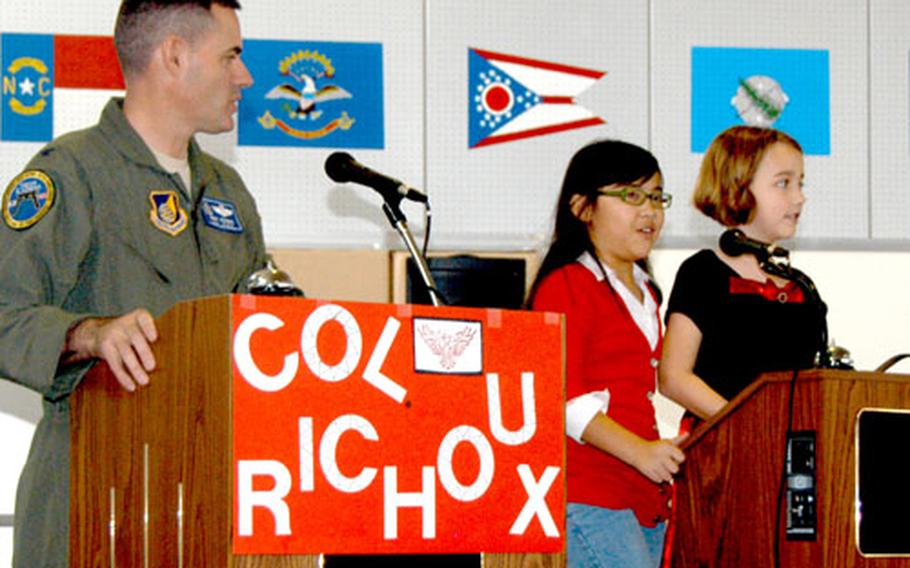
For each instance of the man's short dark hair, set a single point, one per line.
(142, 24)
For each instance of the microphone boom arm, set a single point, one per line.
(342, 168)
(784, 270)
(396, 217)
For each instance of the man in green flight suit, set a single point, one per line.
(110, 226)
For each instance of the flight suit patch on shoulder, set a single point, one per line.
(221, 215)
(27, 199)
(166, 214)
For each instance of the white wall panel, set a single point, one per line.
(18, 416)
(504, 195)
(20, 410)
(48, 16)
(6, 546)
(889, 151)
(298, 203)
(836, 185)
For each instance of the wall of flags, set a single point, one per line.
(481, 104)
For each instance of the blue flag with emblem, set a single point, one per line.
(787, 89)
(311, 93)
(28, 84)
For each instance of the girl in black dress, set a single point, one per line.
(727, 320)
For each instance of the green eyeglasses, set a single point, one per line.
(636, 196)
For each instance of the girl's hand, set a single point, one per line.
(659, 460)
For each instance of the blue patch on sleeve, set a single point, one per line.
(27, 199)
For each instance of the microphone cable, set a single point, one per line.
(781, 488)
(427, 221)
(784, 270)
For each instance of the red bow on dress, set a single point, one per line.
(788, 293)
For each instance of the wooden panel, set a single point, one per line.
(524, 560)
(711, 498)
(275, 561)
(183, 419)
(841, 402)
(727, 491)
(353, 275)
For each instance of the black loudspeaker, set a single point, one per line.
(883, 493)
(471, 281)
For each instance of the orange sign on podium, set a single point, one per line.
(374, 428)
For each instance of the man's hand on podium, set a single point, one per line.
(123, 342)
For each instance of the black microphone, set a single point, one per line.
(342, 167)
(735, 243)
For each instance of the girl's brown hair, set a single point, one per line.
(727, 169)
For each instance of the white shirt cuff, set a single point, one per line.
(582, 409)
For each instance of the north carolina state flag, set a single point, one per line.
(35, 66)
(511, 97)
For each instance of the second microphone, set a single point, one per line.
(342, 167)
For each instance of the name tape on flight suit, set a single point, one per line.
(221, 215)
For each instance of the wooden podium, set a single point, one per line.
(152, 475)
(726, 495)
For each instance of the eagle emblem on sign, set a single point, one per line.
(447, 346)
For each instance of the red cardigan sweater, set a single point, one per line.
(606, 349)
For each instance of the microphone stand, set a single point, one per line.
(784, 270)
(395, 216)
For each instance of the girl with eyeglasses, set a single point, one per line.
(608, 217)
(727, 320)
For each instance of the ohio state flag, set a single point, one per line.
(511, 97)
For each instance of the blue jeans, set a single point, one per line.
(605, 538)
